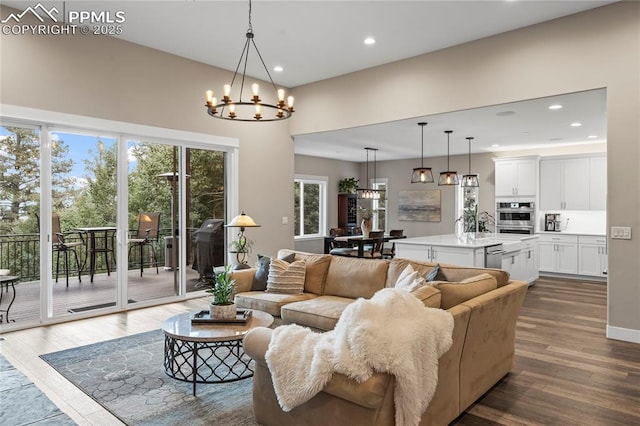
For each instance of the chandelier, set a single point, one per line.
(449, 177)
(370, 193)
(422, 174)
(254, 109)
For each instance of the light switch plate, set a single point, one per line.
(285, 220)
(621, 232)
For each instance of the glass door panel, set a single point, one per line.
(205, 194)
(154, 198)
(19, 209)
(83, 220)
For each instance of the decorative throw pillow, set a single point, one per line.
(435, 274)
(409, 279)
(286, 277)
(262, 273)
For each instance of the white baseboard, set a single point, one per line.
(625, 334)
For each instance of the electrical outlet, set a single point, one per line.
(621, 232)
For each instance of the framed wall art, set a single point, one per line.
(419, 206)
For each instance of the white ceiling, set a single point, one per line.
(316, 40)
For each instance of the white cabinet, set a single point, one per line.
(598, 183)
(441, 254)
(515, 177)
(592, 255)
(564, 184)
(558, 253)
(577, 183)
(522, 264)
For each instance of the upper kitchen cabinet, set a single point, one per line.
(576, 183)
(598, 183)
(516, 177)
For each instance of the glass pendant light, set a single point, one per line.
(470, 180)
(422, 174)
(370, 193)
(449, 177)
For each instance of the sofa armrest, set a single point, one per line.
(244, 279)
(371, 393)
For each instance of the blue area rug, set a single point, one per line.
(126, 377)
(22, 403)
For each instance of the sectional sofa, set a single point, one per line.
(483, 302)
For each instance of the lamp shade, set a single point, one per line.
(422, 175)
(470, 181)
(448, 178)
(242, 221)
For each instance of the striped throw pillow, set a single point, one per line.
(286, 277)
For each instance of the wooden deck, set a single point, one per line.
(85, 295)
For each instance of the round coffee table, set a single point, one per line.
(208, 353)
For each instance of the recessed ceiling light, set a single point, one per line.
(278, 68)
(576, 124)
(369, 41)
(592, 136)
(495, 145)
(555, 106)
(555, 139)
(505, 113)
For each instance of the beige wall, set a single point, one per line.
(111, 79)
(595, 49)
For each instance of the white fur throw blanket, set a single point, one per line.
(393, 332)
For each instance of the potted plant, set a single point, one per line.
(222, 286)
(348, 185)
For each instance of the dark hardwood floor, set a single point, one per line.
(566, 372)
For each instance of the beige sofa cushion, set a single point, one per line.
(354, 277)
(453, 273)
(321, 312)
(454, 293)
(269, 302)
(285, 277)
(316, 269)
(429, 295)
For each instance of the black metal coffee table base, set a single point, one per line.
(206, 362)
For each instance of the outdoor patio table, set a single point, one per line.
(4, 284)
(92, 249)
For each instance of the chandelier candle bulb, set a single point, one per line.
(232, 110)
(210, 98)
(281, 95)
(258, 116)
(290, 102)
(226, 90)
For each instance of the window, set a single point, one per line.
(310, 195)
(380, 206)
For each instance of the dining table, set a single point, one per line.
(358, 241)
(93, 248)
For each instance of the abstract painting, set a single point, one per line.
(419, 206)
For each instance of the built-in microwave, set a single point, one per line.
(513, 217)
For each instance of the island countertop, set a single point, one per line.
(450, 240)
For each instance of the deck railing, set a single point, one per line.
(20, 253)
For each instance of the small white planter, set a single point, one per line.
(222, 311)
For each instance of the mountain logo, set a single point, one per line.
(38, 11)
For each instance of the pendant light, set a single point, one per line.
(470, 180)
(422, 174)
(449, 177)
(370, 193)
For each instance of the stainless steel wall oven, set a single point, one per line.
(514, 217)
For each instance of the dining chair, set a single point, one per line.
(147, 235)
(390, 252)
(374, 251)
(62, 245)
(339, 248)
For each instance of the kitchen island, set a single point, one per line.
(515, 253)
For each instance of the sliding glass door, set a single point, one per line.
(94, 222)
(83, 221)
